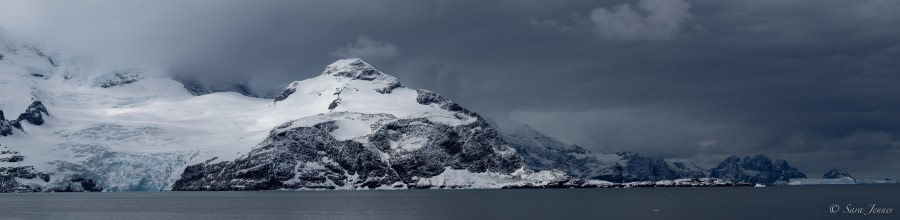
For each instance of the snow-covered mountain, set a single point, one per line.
(542, 152)
(361, 128)
(70, 123)
(134, 128)
(756, 169)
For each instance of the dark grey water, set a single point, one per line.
(796, 202)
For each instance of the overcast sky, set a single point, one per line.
(813, 82)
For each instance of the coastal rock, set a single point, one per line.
(756, 169)
(835, 174)
(297, 157)
(542, 152)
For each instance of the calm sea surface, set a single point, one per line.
(788, 202)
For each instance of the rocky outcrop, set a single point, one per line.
(542, 152)
(390, 88)
(5, 127)
(120, 79)
(10, 176)
(686, 169)
(640, 168)
(334, 104)
(197, 87)
(756, 169)
(835, 174)
(284, 94)
(310, 157)
(426, 97)
(34, 115)
(354, 69)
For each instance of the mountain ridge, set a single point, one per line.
(351, 127)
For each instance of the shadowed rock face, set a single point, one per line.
(645, 168)
(198, 88)
(34, 115)
(5, 127)
(835, 174)
(309, 157)
(426, 97)
(390, 151)
(756, 169)
(9, 176)
(284, 94)
(542, 152)
(120, 79)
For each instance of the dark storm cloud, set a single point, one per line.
(815, 82)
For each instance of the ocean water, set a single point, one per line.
(786, 202)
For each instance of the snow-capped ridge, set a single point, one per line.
(344, 74)
(354, 69)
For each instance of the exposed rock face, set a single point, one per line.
(334, 104)
(542, 152)
(120, 79)
(756, 169)
(5, 127)
(475, 147)
(390, 88)
(835, 174)
(284, 94)
(640, 168)
(303, 157)
(686, 169)
(310, 157)
(10, 175)
(354, 69)
(426, 97)
(388, 147)
(197, 87)
(34, 113)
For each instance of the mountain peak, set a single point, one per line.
(835, 174)
(353, 68)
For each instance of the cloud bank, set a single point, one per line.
(649, 20)
(366, 48)
(812, 83)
